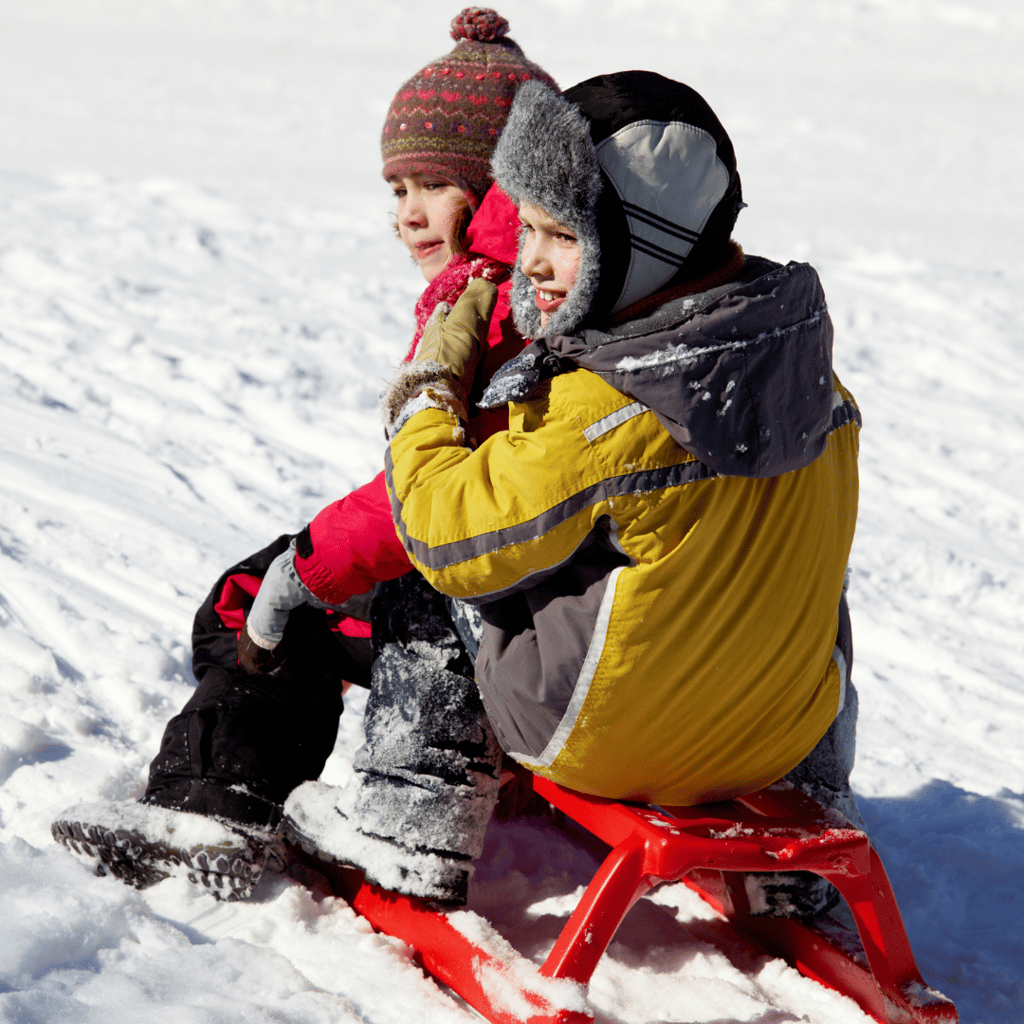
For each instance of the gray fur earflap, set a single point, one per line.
(545, 157)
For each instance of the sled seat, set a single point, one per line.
(708, 848)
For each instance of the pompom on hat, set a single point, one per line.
(446, 119)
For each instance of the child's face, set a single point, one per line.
(430, 217)
(550, 258)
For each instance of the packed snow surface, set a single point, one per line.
(200, 300)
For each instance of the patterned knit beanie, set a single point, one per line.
(447, 118)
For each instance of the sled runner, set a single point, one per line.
(706, 847)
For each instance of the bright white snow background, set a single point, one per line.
(199, 301)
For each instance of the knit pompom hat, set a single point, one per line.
(447, 118)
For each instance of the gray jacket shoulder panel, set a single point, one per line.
(741, 376)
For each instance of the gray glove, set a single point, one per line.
(280, 593)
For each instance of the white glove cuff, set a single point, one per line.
(280, 592)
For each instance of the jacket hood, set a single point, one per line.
(740, 376)
(643, 172)
(494, 230)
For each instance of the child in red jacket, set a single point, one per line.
(264, 715)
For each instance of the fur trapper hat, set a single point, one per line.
(642, 171)
(446, 119)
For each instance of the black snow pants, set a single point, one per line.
(243, 742)
(428, 774)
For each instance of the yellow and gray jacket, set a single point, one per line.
(658, 543)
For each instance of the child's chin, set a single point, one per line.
(432, 266)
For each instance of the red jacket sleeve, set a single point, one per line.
(354, 545)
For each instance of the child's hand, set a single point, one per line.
(281, 591)
(441, 373)
(455, 338)
(256, 660)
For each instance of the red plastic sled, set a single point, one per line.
(706, 847)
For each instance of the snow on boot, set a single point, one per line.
(321, 819)
(142, 844)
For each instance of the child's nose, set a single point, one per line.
(413, 213)
(535, 262)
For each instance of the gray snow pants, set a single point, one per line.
(427, 777)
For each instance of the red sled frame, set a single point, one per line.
(708, 848)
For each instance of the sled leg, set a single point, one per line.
(618, 884)
(904, 996)
(497, 982)
(888, 986)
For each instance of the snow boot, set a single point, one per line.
(142, 844)
(322, 820)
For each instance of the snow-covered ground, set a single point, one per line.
(199, 302)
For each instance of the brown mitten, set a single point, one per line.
(254, 659)
(441, 372)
